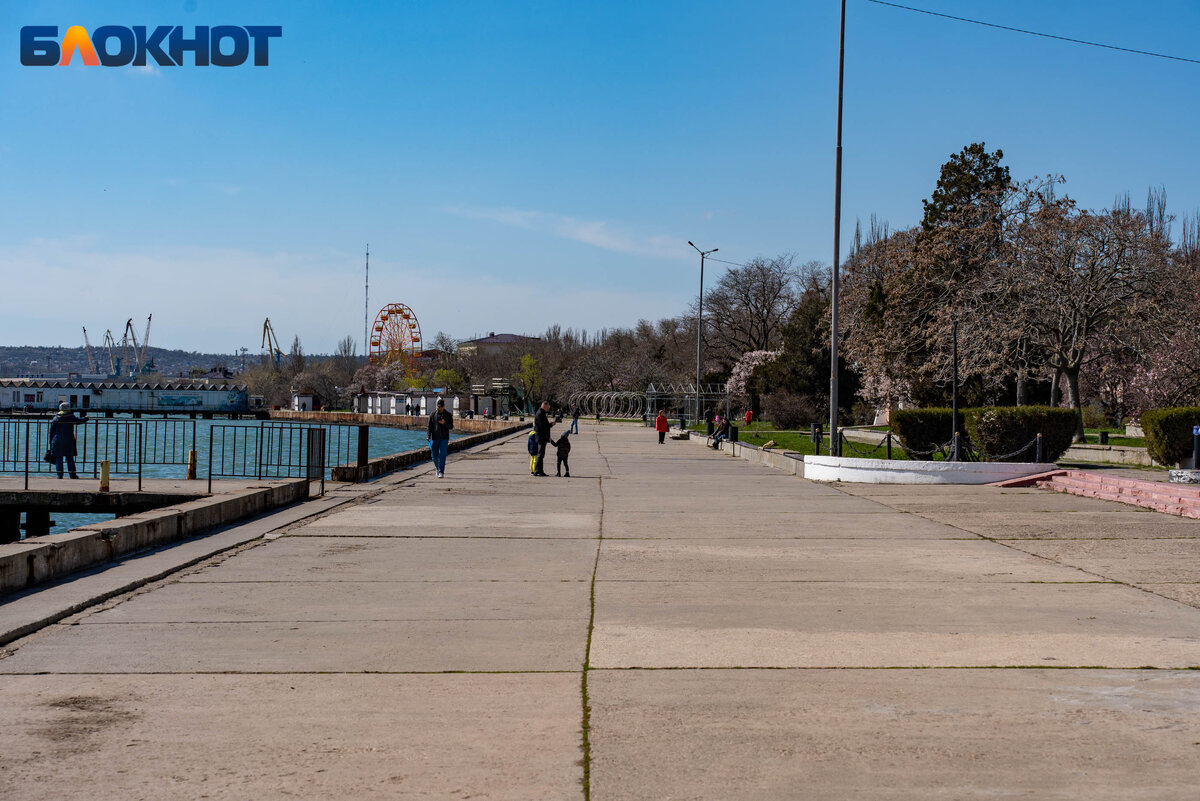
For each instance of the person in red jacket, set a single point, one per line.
(660, 425)
(749, 416)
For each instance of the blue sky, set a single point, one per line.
(519, 164)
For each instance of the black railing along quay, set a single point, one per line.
(126, 445)
(274, 450)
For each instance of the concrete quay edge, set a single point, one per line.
(40, 559)
(26, 610)
(382, 465)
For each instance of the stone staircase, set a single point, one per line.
(1174, 499)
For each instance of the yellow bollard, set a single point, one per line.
(104, 476)
(191, 474)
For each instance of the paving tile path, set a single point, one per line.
(668, 623)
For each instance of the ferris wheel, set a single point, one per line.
(396, 337)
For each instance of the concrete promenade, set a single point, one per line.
(669, 623)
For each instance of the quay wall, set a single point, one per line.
(36, 560)
(382, 465)
(407, 421)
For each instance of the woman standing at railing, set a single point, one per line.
(62, 438)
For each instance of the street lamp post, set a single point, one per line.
(834, 440)
(700, 321)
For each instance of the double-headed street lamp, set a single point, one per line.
(700, 321)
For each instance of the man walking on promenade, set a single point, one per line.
(574, 420)
(440, 423)
(541, 427)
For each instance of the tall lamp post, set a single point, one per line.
(700, 322)
(834, 440)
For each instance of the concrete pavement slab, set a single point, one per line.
(1135, 561)
(739, 523)
(896, 735)
(299, 647)
(180, 738)
(409, 559)
(831, 560)
(377, 601)
(1018, 524)
(857, 624)
(417, 520)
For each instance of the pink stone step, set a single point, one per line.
(1173, 499)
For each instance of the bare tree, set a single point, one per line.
(747, 309)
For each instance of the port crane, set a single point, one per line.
(270, 343)
(130, 346)
(87, 346)
(110, 345)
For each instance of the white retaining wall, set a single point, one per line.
(883, 471)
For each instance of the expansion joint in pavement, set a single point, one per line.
(585, 728)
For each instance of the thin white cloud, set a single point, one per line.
(215, 299)
(597, 233)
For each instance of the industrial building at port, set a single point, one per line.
(114, 396)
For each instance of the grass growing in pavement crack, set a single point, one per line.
(586, 727)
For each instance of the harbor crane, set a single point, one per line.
(138, 352)
(110, 345)
(87, 347)
(270, 343)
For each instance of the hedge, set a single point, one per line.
(923, 431)
(1006, 431)
(1169, 433)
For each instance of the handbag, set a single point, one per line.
(47, 457)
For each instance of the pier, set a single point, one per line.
(669, 622)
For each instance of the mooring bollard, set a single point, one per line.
(191, 471)
(104, 475)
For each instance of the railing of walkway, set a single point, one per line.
(126, 445)
(276, 450)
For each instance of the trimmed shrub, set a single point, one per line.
(789, 411)
(1169, 433)
(923, 431)
(1001, 430)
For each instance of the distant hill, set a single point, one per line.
(16, 360)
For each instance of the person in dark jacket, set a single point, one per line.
(563, 447)
(440, 423)
(541, 427)
(721, 434)
(62, 438)
(574, 420)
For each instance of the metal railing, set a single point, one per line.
(124, 444)
(276, 450)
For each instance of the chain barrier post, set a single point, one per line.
(888, 441)
(1039, 448)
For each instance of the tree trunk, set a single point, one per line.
(1022, 391)
(1056, 388)
(1073, 399)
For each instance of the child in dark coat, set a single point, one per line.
(533, 451)
(564, 450)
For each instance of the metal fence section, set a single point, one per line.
(275, 450)
(121, 443)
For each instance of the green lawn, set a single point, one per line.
(1114, 438)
